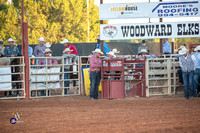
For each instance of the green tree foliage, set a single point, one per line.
(55, 20)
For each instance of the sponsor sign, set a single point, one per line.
(149, 10)
(149, 30)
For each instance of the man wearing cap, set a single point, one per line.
(95, 73)
(166, 47)
(197, 70)
(11, 50)
(69, 60)
(39, 49)
(105, 46)
(67, 44)
(143, 46)
(187, 63)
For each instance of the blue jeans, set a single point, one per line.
(188, 78)
(66, 83)
(95, 78)
(196, 80)
(179, 71)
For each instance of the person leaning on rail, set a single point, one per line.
(143, 46)
(47, 62)
(188, 64)
(197, 70)
(95, 73)
(69, 60)
(12, 50)
(67, 44)
(166, 47)
(179, 71)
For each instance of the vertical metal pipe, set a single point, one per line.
(26, 59)
(161, 39)
(22, 19)
(101, 22)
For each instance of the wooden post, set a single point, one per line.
(101, 22)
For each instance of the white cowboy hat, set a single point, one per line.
(143, 51)
(47, 45)
(41, 39)
(111, 53)
(98, 37)
(10, 40)
(67, 50)
(47, 50)
(97, 51)
(181, 47)
(115, 51)
(197, 48)
(65, 41)
(183, 51)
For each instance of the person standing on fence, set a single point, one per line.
(95, 73)
(67, 44)
(105, 46)
(69, 60)
(143, 46)
(197, 70)
(47, 62)
(187, 63)
(166, 47)
(11, 50)
(39, 49)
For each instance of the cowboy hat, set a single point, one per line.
(65, 41)
(97, 51)
(181, 47)
(10, 40)
(115, 51)
(143, 51)
(183, 51)
(98, 37)
(47, 50)
(111, 53)
(67, 50)
(41, 39)
(47, 45)
(197, 48)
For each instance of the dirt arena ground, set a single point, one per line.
(79, 114)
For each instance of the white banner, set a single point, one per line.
(149, 10)
(149, 30)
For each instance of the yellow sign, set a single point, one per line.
(86, 80)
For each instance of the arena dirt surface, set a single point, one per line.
(79, 114)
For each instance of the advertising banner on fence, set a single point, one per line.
(149, 30)
(149, 10)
